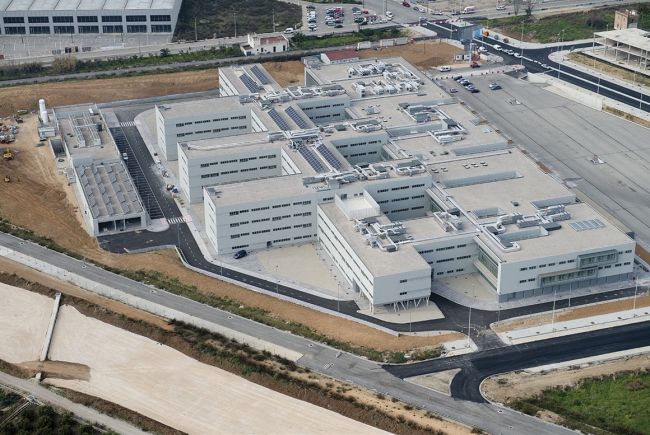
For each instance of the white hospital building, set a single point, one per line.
(398, 182)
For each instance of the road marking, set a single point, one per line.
(127, 124)
(176, 220)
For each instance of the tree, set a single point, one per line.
(299, 38)
(165, 52)
(516, 4)
(64, 64)
(65, 430)
(528, 7)
(86, 429)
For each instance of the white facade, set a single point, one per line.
(265, 44)
(88, 17)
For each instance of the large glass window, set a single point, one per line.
(112, 19)
(38, 19)
(488, 262)
(135, 18)
(566, 277)
(597, 259)
(63, 29)
(112, 29)
(161, 28)
(9, 20)
(14, 30)
(136, 29)
(88, 29)
(39, 30)
(62, 19)
(86, 19)
(160, 17)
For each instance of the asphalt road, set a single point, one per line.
(480, 365)
(316, 356)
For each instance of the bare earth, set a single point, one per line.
(104, 90)
(129, 369)
(509, 386)
(24, 319)
(425, 55)
(440, 381)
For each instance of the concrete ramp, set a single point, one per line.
(50, 329)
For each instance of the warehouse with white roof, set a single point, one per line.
(51, 17)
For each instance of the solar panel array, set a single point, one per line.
(331, 159)
(249, 83)
(281, 123)
(311, 159)
(300, 122)
(260, 75)
(591, 224)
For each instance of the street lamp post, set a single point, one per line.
(273, 20)
(469, 323)
(636, 287)
(234, 14)
(553, 318)
(338, 296)
(276, 280)
(522, 44)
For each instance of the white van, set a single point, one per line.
(445, 68)
(288, 30)
(389, 14)
(469, 10)
(497, 47)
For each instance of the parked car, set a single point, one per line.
(240, 254)
(501, 8)
(288, 30)
(511, 52)
(457, 78)
(495, 86)
(453, 90)
(474, 90)
(364, 12)
(311, 7)
(406, 4)
(416, 9)
(125, 156)
(436, 13)
(338, 26)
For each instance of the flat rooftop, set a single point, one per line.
(257, 73)
(108, 190)
(380, 263)
(635, 37)
(98, 147)
(566, 240)
(84, 5)
(206, 106)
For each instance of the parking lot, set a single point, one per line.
(346, 21)
(565, 136)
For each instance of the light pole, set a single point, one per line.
(636, 287)
(553, 318)
(273, 20)
(338, 296)
(522, 44)
(276, 280)
(469, 323)
(234, 14)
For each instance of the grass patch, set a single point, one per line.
(306, 41)
(578, 25)
(217, 18)
(618, 403)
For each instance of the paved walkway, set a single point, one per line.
(42, 394)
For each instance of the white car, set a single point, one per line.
(288, 30)
(482, 49)
(383, 21)
(501, 8)
(518, 55)
(497, 48)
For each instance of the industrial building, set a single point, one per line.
(398, 182)
(107, 197)
(625, 47)
(23, 17)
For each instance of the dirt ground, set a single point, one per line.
(642, 300)
(104, 90)
(425, 55)
(57, 369)
(509, 386)
(127, 368)
(47, 193)
(24, 319)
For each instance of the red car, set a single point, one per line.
(406, 4)
(364, 12)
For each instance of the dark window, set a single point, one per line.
(14, 30)
(86, 19)
(63, 29)
(160, 17)
(136, 29)
(133, 18)
(88, 29)
(161, 28)
(112, 19)
(62, 20)
(112, 29)
(38, 19)
(39, 30)
(8, 20)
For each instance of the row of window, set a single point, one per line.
(541, 266)
(87, 19)
(446, 248)
(45, 30)
(242, 160)
(450, 271)
(238, 212)
(444, 260)
(356, 144)
(216, 130)
(183, 124)
(361, 154)
(216, 174)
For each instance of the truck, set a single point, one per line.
(469, 10)
(364, 45)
